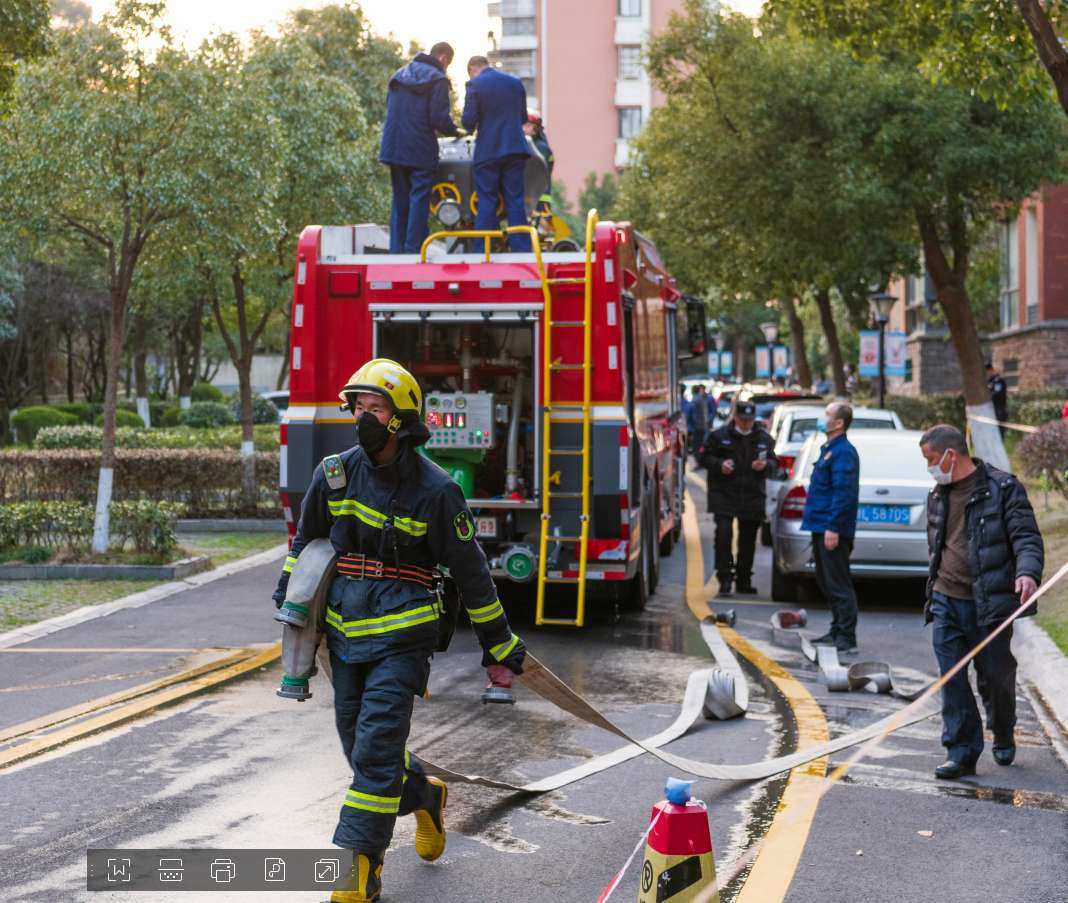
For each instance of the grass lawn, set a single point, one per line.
(28, 601)
(1053, 522)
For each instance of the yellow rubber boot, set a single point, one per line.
(363, 883)
(430, 822)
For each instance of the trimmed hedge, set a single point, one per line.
(172, 416)
(123, 418)
(148, 526)
(83, 410)
(206, 392)
(264, 437)
(1038, 412)
(26, 422)
(206, 482)
(206, 414)
(925, 411)
(1045, 454)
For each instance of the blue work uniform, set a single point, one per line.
(496, 107)
(417, 111)
(407, 515)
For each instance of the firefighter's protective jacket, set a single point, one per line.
(407, 512)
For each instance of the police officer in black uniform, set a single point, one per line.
(393, 516)
(999, 394)
(739, 457)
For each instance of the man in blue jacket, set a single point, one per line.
(496, 106)
(417, 111)
(831, 517)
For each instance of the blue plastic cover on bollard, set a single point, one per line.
(677, 791)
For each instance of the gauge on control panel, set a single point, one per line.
(460, 420)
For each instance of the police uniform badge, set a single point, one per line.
(334, 470)
(465, 530)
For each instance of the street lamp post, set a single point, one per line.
(771, 333)
(881, 302)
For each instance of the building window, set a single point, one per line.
(510, 27)
(1031, 256)
(630, 62)
(629, 8)
(512, 9)
(1010, 275)
(908, 369)
(520, 63)
(630, 122)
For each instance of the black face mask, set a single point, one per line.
(373, 435)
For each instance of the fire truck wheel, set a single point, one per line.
(652, 524)
(667, 543)
(636, 593)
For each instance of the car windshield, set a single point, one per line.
(804, 427)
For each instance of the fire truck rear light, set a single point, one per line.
(793, 506)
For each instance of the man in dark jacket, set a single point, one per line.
(417, 111)
(496, 107)
(999, 393)
(738, 457)
(986, 560)
(831, 517)
(394, 517)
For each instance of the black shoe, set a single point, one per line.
(724, 588)
(744, 586)
(951, 770)
(1005, 755)
(828, 639)
(845, 646)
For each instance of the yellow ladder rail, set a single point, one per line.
(550, 366)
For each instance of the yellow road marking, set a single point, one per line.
(771, 874)
(188, 684)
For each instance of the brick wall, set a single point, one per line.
(934, 365)
(1034, 357)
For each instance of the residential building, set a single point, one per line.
(582, 67)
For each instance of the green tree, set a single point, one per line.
(24, 35)
(955, 158)
(602, 196)
(98, 149)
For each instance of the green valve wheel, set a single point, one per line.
(519, 563)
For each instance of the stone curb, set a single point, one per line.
(177, 571)
(1045, 667)
(137, 600)
(231, 525)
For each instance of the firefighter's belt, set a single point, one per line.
(360, 567)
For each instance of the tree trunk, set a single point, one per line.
(69, 339)
(249, 488)
(802, 370)
(830, 333)
(950, 285)
(739, 359)
(117, 322)
(140, 361)
(1049, 48)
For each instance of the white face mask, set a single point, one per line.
(938, 474)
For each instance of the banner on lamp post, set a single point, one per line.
(780, 361)
(869, 353)
(896, 353)
(713, 363)
(763, 360)
(726, 363)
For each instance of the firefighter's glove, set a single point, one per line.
(279, 594)
(512, 657)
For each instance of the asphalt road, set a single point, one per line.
(240, 768)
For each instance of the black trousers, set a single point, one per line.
(956, 632)
(373, 712)
(832, 575)
(726, 567)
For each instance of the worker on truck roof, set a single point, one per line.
(496, 107)
(394, 517)
(417, 111)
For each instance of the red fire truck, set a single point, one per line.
(550, 384)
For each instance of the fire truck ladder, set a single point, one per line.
(549, 476)
(551, 367)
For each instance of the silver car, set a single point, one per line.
(891, 539)
(793, 422)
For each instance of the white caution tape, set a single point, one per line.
(1019, 427)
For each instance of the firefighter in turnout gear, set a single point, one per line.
(393, 516)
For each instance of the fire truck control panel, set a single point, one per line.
(460, 420)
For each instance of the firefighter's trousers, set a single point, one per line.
(373, 711)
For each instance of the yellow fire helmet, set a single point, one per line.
(389, 379)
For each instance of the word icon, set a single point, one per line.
(118, 870)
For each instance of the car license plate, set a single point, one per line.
(486, 527)
(884, 514)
